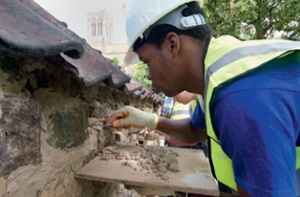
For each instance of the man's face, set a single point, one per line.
(162, 69)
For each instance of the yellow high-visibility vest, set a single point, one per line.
(181, 111)
(228, 58)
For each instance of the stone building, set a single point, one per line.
(100, 30)
(56, 91)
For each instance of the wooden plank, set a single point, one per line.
(193, 176)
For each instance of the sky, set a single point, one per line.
(74, 13)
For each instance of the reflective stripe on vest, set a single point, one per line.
(228, 58)
(179, 111)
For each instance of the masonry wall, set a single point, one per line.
(50, 128)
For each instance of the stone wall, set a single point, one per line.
(50, 128)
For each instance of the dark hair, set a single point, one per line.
(159, 32)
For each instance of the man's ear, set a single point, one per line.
(173, 43)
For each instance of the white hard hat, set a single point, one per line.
(141, 14)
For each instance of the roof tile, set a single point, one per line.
(32, 32)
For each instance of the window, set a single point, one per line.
(100, 29)
(93, 28)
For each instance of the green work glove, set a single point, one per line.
(132, 117)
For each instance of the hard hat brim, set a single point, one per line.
(131, 57)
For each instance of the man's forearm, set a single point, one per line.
(182, 130)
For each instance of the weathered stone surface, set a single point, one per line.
(50, 127)
(64, 110)
(2, 186)
(19, 133)
(69, 128)
(66, 118)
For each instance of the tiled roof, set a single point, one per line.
(29, 31)
(138, 90)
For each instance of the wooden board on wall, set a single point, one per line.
(194, 174)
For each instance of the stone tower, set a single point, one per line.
(100, 29)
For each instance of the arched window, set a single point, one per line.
(99, 28)
(93, 28)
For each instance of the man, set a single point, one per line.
(251, 91)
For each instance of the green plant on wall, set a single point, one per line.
(115, 61)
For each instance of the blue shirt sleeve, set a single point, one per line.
(198, 117)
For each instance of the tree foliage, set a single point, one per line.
(254, 19)
(115, 61)
(141, 75)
